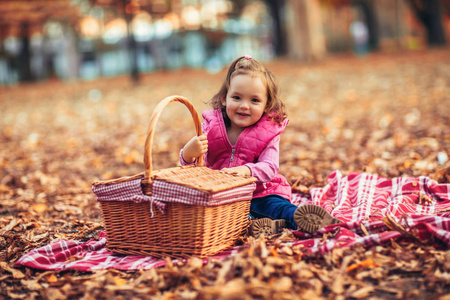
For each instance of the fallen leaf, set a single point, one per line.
(15, 273)
(32, 285)
(74, 258)
(119, 281)
(368, 263)
(363, 292)
(51, 278)
(14, 222)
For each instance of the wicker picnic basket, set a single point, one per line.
(177, 212)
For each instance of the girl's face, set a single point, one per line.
(246, 100)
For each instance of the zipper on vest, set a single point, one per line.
(232, 155)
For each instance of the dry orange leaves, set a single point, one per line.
(385, 114)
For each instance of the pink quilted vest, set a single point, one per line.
(251, 142)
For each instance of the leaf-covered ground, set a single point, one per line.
(387, 113)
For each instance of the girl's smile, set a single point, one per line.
(245, 101)
(242, 114)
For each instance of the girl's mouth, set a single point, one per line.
(243, 114)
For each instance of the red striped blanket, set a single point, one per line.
(363, 196)
(420, 205)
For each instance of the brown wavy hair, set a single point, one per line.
(275, 108)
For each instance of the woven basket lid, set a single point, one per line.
(202, 178)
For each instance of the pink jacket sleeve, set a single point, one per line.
(268, 163)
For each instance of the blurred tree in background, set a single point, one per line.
(429, 13)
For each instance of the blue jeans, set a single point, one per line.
(274, 207)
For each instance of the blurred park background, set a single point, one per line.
(87, 39)
(366, 84)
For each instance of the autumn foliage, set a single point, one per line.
(385, 113)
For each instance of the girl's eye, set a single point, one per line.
(236, 97)
(254, 100)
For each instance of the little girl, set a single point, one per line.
(242, 137)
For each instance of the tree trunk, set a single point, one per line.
(24, 58)
(368, 11)
(72, 55)
(131, 45)
(276, 11)
(306, 40)
(429, 13)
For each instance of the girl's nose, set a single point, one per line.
(244, 105)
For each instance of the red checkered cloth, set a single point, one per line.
(363, 196)
(163, 192)
(125, 191)
(429, 229)
(93, 255)
(358, 199)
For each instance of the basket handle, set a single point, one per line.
(151, 130)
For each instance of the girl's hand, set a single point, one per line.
(196, 147)
(240, 171)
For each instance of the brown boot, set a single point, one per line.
(266, 226)
(310, 218)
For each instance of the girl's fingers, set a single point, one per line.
(227, 171)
